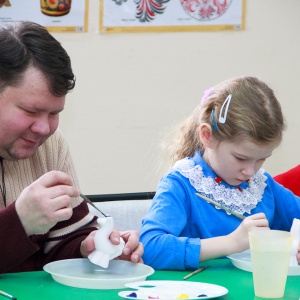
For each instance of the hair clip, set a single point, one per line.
(213, 120)
(222, 119)
(206, 94)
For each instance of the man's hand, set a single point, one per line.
(298, 255)
(133, 249)
(45, 202)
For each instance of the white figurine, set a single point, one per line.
(105, 250)
(295, 231)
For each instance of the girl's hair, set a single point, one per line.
(254, 113)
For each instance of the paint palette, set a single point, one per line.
(166, 289)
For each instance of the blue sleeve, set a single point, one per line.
(162, 227)
(286, 206)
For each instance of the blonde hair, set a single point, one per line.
(254, 114)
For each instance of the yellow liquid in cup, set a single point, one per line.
(271, 269)
(270, 257)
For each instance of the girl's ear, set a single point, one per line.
(205, 135)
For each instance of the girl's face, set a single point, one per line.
(236, 162)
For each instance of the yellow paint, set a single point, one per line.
(182, 296)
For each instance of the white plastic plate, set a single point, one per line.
(243, 261)
(81, 273)
(166, 289)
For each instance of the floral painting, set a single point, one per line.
(171, 15)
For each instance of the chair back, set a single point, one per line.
(127, 209)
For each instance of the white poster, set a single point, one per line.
(171, 15)
(56, 15)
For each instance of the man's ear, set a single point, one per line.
(205, 135)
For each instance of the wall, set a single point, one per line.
(132, 87)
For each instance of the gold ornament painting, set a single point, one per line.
(4, 3)
(55, 15)
(55, 8)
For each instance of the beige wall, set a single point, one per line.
(132, 87)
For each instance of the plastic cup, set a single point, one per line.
(270, 256)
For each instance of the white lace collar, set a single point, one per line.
(241, 201)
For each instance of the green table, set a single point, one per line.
(40, 285)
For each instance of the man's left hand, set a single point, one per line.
(133, 249)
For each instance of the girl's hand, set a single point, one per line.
(240, 235)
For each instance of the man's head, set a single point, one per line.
(29, 44)
(35, 76)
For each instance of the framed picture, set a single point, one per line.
(171, 15)
(56, 15)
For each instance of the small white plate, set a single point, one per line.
(243, 261)
(166, 289)
(81, 273)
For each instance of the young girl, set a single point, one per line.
(218, 153)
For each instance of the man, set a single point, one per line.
(42, 217)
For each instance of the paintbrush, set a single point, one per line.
(2, 293)
(222, 207)
(196, 272)
(87, 200)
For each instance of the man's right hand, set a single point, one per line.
(45, 202)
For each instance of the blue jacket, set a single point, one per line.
(178, 219)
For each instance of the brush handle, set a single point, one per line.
(86, 199)
(222, 207)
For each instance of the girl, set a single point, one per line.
(218, 153)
